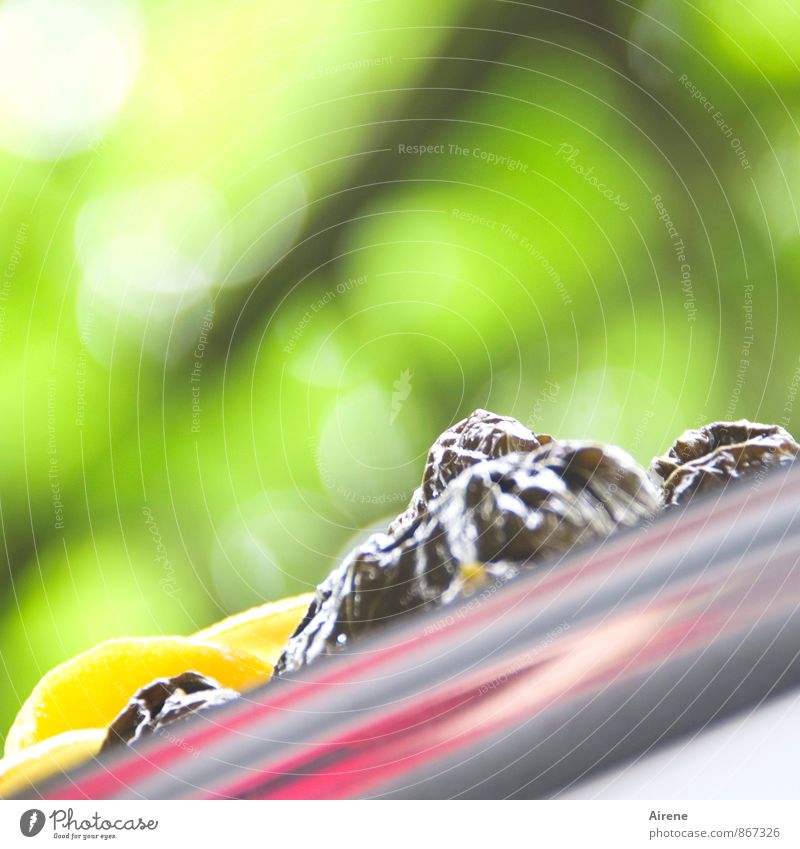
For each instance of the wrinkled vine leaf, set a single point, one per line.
(707, 458)
(163, 701)
(496, 517)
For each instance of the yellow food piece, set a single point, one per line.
(262, 631)
(50, 757)
(89, 690)
(473, 576)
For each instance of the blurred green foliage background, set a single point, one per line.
(255, 256)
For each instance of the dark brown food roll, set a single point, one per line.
(709, 457)
(481, 436)
(495, 518)
(163, 701)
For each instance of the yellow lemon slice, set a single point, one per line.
(262, 631)
(50, 757)
(92, 688)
